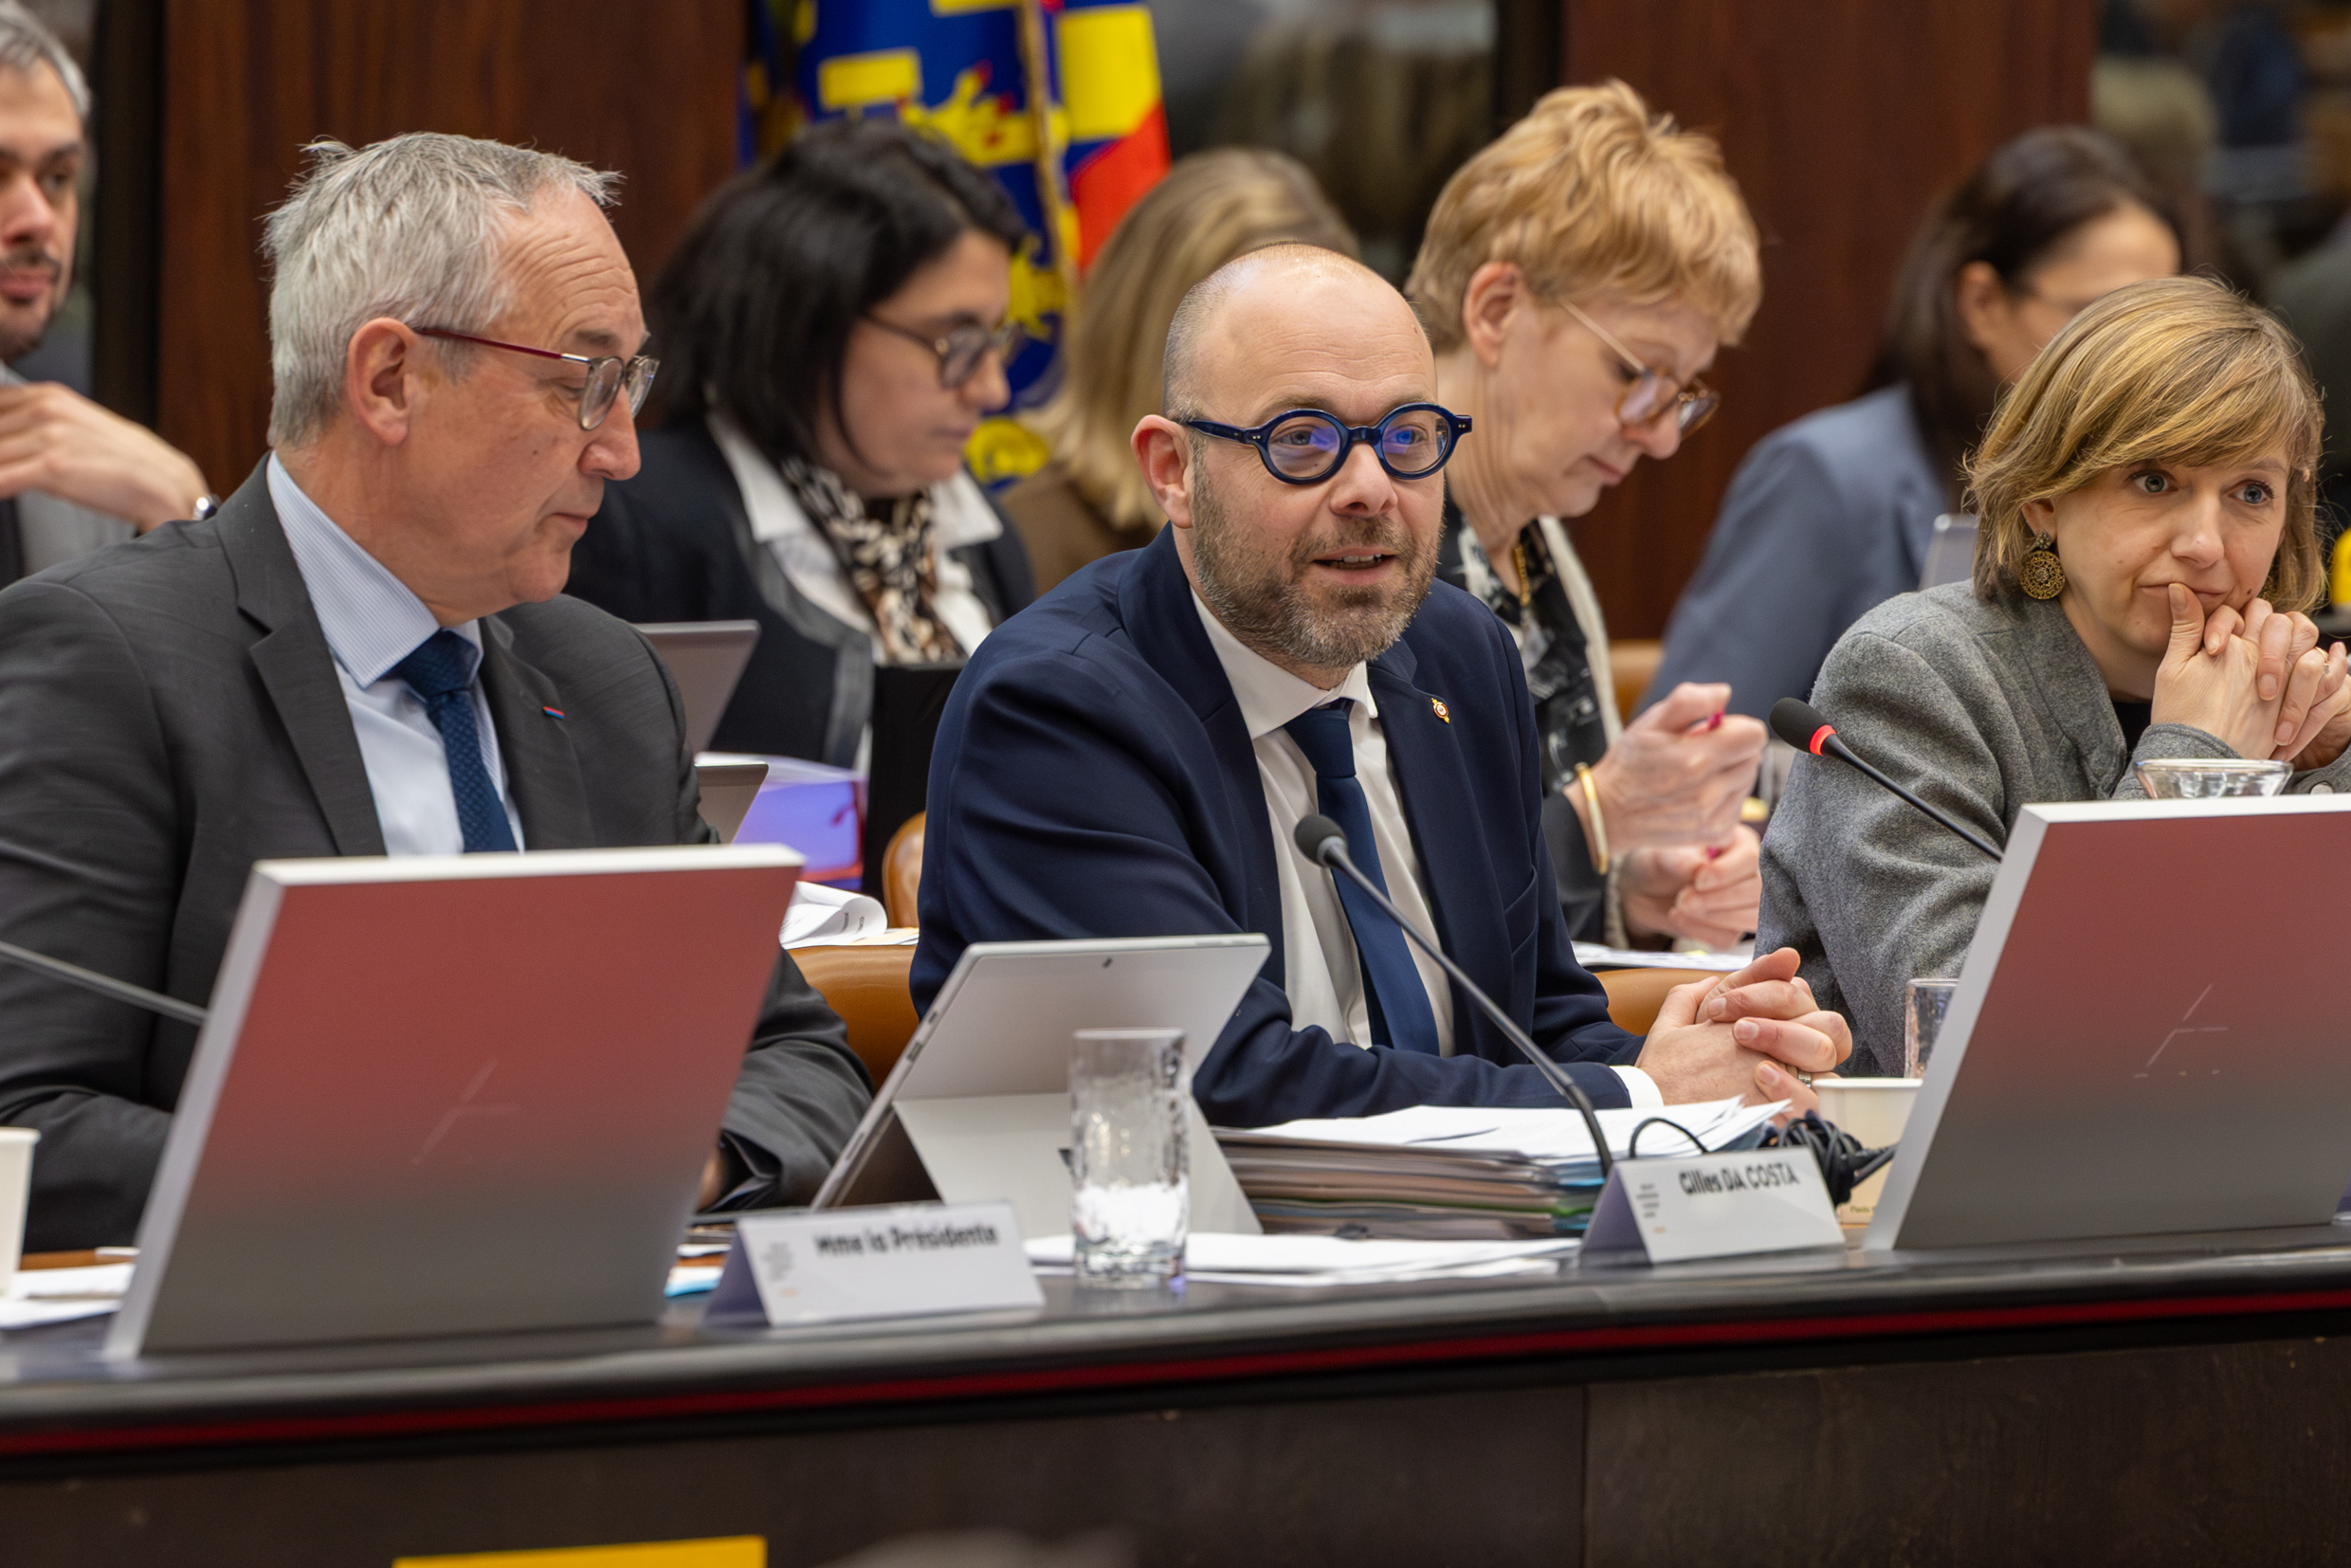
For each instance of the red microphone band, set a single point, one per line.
(1820, 737)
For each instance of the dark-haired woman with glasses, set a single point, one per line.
(833, 328)
(1576, 279)
(1832, 514)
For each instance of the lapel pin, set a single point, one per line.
(552, 713)
(1438, 708)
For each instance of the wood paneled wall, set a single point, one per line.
(1842, 121)
(647, 89)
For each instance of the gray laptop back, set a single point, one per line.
(707, 658)
(452, 1094)
(2150, 1035)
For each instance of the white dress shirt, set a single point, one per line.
(371, 622)
(1323, 977)
(960, 515)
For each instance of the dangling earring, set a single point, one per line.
(2043, 575)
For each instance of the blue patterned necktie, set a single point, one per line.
(439, 671)
(1401, 1015)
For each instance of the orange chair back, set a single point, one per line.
(1632, 665)
(901, 873)
(1635, 994)
(866, 986)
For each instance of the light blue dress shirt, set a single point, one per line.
(371, 622)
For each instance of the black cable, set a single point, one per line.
(1844, 1163)
(1633, 1145)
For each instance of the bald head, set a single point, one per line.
(1248, 318)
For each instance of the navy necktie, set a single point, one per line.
(1401, 1015)
(439, 671)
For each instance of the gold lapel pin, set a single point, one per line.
(1438, 708)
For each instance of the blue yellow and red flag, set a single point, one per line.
(1058, 98)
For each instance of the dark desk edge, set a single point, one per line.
(75, 1405)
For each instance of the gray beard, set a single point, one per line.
(1261, 602)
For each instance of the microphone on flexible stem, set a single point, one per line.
(1802, 725)
(1324, 842)
(106, 985)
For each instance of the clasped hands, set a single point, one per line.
(1747, 1034)
(2256, 681)
(1669, 789)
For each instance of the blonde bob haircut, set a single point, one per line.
(1592, 194)
(2175, 371)
(1210, 209)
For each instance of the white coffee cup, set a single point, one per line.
(15, 1189)
(1875, 1111)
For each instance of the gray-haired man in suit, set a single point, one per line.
(73, 476)
(363, 653)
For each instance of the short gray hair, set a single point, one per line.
(407, 229)
(27, 44)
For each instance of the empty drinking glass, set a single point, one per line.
(1130, 1208)
(1923, 1004)
(2210, 777)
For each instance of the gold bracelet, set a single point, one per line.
(1599, 828)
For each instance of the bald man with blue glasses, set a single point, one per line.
(1127, 758)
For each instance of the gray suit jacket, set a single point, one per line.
(1825, 520)
(1982, 709)
(169, 714)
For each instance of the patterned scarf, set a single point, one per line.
(1551, 644)
(889, 560)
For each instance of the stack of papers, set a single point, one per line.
(1213, 1258)
(1453, 1173)
(38, 1296)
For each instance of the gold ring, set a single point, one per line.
(1804, 1078)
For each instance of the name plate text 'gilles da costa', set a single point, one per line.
(907, 1260)
(1713, 1206)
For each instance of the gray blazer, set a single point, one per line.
(1825, 520)
(169, 714)
(1982, 709)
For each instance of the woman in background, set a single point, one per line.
(2145, 555)
(1577, 278)
(834, 327)
(1832, 515)
(1091, 501)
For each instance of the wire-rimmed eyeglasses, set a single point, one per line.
(1653, 392)
(960, 350)
(1306, 445)
(608, 374)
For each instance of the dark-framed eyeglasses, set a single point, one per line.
(1306, 445)
(961, 352)
(1653, 393)
(609, 376)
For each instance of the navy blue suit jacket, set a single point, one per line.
(1093, 778)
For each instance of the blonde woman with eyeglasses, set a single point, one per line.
(2145, 558)
(1577, 279)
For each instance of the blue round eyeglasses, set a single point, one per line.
(1306, 445)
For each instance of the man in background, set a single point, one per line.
(73, 476)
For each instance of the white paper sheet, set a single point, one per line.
(1595, 955)
(1218, 1257)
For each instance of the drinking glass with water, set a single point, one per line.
(1131, 1206)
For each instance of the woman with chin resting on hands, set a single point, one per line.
(1577, 279)
(2146, 555)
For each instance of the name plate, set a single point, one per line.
(839, 1264)
(1714, 1206)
